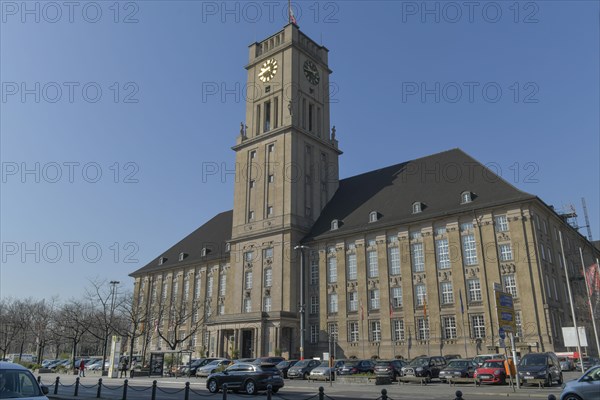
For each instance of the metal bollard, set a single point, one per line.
(125, 384)
(551, 397)
(56, 385)
(383, 394)
(76, 387)
(186, 395)
(321, 393)
(99, 391)
(153, 390)
(224, 391)
(269, 392)
(458, 395)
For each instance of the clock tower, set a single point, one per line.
(286, 172)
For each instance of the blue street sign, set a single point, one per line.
(502, 333)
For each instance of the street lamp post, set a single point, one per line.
(301, 248)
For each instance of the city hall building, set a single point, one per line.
(400, 261)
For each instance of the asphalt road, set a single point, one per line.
(140, 388)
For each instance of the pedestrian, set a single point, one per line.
(82, 368)
(124, 369)
(132, 368)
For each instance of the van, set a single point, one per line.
(540, 366)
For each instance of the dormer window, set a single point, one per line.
(417, 207)
(162, 260)
(205, 251)
(373, 216)
(335, 224)
(466, 197)
(182, 256)
(227, 247)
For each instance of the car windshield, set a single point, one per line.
(283, 364)
(535, 360)
(419, 362)
(18, 383)
(383, 363)
(302, 363)
(459, 364)
(215, 362)
(351, 364)
(324, 364)
(493, 364)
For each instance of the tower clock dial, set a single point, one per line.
(311, 72)
(268, 70)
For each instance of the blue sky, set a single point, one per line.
(106, 105)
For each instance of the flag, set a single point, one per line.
(292, 18)
(156, 325)
(592, 277)
(462, 306)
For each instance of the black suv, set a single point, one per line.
(425, 367)
(389, 368)
(352, 367)
(540, 366)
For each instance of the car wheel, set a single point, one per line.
(548, 382)
(305, 376)
(213, 387)
(275, 390)
(571, 396)
(428, 378)
(560, 379)
(250, 387)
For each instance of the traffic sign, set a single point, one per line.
(502, 333)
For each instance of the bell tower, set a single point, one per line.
(286, 172)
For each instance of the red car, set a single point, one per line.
(492, 371)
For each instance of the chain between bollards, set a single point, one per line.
(76, 387)
(99, 391)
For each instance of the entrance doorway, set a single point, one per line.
(247, 344)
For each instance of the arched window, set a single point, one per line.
(373, 216)
(466, 197)
(417, 207)
(334, 224)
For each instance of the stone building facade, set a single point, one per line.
(400, 261)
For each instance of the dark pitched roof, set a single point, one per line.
(436, 181)
(212, 235)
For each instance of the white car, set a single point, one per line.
(17, 381)
(212, 367)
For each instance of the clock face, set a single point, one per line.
(268, 70)
(311, 72)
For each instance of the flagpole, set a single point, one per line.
(462, 317)
(589, 299)
(289, 11)
(562, 250)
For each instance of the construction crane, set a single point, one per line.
(587, 220)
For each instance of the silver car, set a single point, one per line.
(17, 381)
(585, 388)
(324, 372)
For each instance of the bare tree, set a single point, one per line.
(9, 329)
(72, 323)
(183, 322)
(131, 320)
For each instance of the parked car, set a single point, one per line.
(352, 367)
(492, 371)
(540, 366)
(588, 362)
(212, 367)
(427, 367)
(458, 368)
(585, 388)
(17, 381)
(325, 372)
(389, 368)
(268, 360)
(284, 366)
(198, 363)
(480, 359)
(302, 369)
(449, 357)
(566, 364)
(250, 378)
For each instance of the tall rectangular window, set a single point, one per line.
(519, 324)
(247, 305)
(267, 125)
(446, 292)
(333, 303)
(510, 284)
(418, 258)
(478, 326)
(352, 272)
(505, 251)
(469, 249)
(353, 301)
(372, 264)
(314, 333)
(420, 294)
(394, 260)
(223, 285)
(268, 277)
(209, 286)
(375, 331)
(442, 253)
(332, 328)
(398, 329)
(474, 287)
(258, 119)
(397, 296)
(197, 285)
(267, 304)
(501, 223)
(248, 280)
(276, 113)
(449, 324)
(311, 114)
(314, 304)
(314, 271)
(331, 270)
(353, 332)
(423, 328)
(374, 299)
